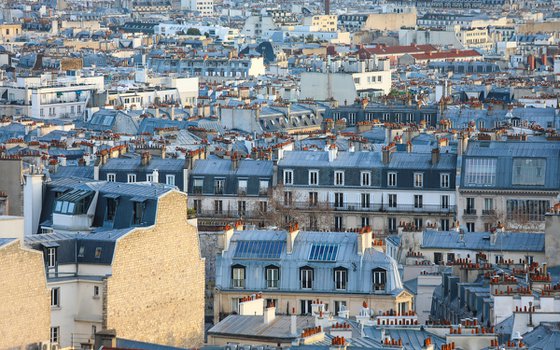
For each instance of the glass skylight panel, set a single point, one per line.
(326, 252)
(259, 249)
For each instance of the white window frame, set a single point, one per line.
(313, 175)
(51, 257)
(365, 178)
(339, 175)
(170, 180)
(288, 177)
(306, 278)
(272, 277)
(392, 179)
(420, 177)
(111, 177)
(340, 279)
(238, 280)
(444, 180)
(131, 178)
(55, 297)
(150, 177)
(55, 335)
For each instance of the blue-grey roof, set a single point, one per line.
(505, 241)
(131, 164)
(321, 251)
(85, 172)
(321, 159)
(246, 167)
(5, 241)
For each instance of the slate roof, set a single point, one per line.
(480, 241)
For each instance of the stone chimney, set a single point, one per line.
(228, 233)
(293, 231)
(239, 225)
(409, 147)
(293, 322)
(435, 156)
(269, 313)
(387, 151)
(155, 176)
(146, 158)
(364, 239)
(333, 152)
(234, 161)
(428, 344)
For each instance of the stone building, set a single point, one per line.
(25, 308)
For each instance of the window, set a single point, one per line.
(366, 178)
(339, 305)
(365, 221)
(305, 306)
(313, 222)
(170, 180)
(338, 199)
(51, 257)
(450, 257)
(470, 226)
(392, 200)
(242, 187)
(263, 206)
(392, 179)
(418, 201)
(218, 207)
(272, 276)
(379, 278)
(197, 186)
(392, 224)
(444, 224)
(197, 205)
(480, 172)
(238, 276)
(241, 208)
(98, 251)
(137, 213)
(523, 210)
(444, 180)
(263, 187)
(55, 297)
(111, 177)
(313, 177)
(93, 329)
(219, 186)
(288, 177)
(55, 334)
(313, 198)
(418, 223)
(438, 258)
(338, 223)
(95, 291)
(418, 180)
(365, 200)
(288, 197)
(306, 277)
(131, 178)
(444, 201)
(528, 171)
(470, 209)
(150, 177)
(111, 209)
(339, 178)
(340, 278)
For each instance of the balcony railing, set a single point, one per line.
(488, 212)
(375, 207)
(469, 212)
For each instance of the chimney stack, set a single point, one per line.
(386, 152)
(333, 152)
(269, 313)
(293, 231)
(364, 239)
(435, 156)
(293, 322)
(155, 176)
(228, 233)
(146, 157)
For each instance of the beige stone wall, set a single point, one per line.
(156, 291)
(25, 313)
(390, 21)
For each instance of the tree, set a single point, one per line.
(193, 31)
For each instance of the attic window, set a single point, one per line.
(98, 252)
(81, 252)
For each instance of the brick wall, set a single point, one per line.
(25, 313)
(156, 291)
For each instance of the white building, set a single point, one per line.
(204, 7)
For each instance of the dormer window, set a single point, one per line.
(111, 209)
(51, 257)
(306, 277)
(379, 279)
(98, 251)
(238, 276)
(137, 213)
(339, 178)
(272, 276)
(340, 278)
(73, 203)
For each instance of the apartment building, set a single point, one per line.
(293, 269)
(357, 113)
(111, 251)
(341, 191)
(512, 182)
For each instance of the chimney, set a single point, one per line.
(293, 322)
(435, 156)
(155, 176)
(62, 160)
(239, 225)
(333, 152)
(364, 239)
(428, 344)
(293, 231)
(409, 147)
(269, 313)
(327, 7)
(351, 148)
(146, 157)
(234, 161)
(228, 233)
(386, 152)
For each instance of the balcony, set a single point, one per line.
(375, 207)
(469, 212)
(488, 212)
